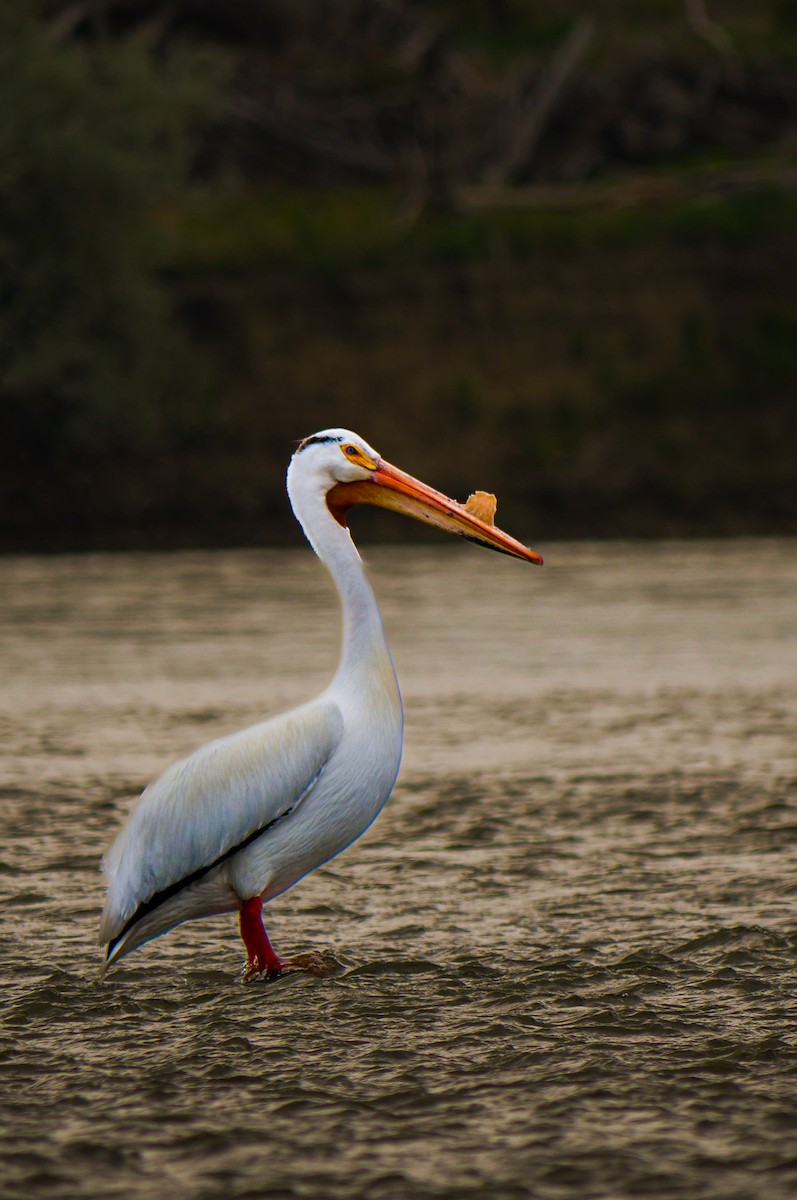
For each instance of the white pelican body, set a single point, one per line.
(246, 816)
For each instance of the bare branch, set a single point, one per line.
(703, 26)
(633, 191)
(531, 123)
(303, 133)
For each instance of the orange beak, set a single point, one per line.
(391, 488)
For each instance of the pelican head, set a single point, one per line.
(343, 468)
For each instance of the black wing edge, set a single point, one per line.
(159, 898)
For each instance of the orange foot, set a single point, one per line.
(320, 963)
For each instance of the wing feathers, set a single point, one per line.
(206, 807)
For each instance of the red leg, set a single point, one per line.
(260, 954)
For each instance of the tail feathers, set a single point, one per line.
(119, 946)
(116, 935)
(121, 933)
(111, 923)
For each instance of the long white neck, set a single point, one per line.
(364, 649)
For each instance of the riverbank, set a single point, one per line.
(631, 381)
(549, 256)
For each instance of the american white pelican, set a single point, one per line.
(246, 816)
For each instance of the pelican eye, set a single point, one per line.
(358, 456)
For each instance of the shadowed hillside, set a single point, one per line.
(545, 250)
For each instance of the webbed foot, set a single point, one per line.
(320, 963)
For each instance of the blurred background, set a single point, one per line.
(548, 249)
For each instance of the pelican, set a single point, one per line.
(246, 816)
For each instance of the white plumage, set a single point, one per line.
(246, 816)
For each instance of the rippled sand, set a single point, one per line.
(570, 939)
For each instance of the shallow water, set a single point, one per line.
(570, 939)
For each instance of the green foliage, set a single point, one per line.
(335, 235)
(90, 140)
(766, 353)
(504, 30)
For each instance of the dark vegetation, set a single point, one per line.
(544, 249)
